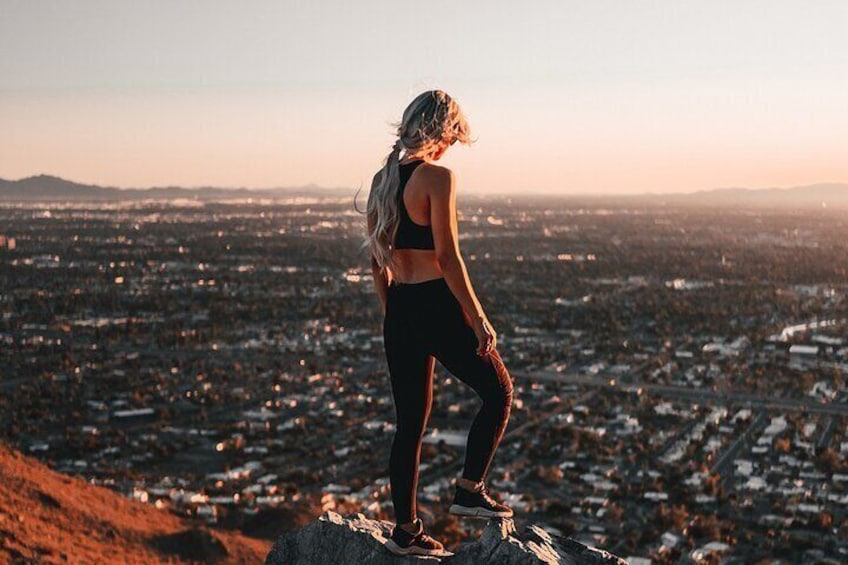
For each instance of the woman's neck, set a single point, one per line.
(406, 160)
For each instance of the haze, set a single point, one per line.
(567, 97)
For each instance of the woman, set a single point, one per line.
(431, 312)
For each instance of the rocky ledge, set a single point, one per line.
(356, 539)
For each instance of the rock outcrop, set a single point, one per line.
(356, 539)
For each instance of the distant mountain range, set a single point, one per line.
(821, 195)
(51, 188)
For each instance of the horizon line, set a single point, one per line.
(513, 192)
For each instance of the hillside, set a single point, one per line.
(48, 517)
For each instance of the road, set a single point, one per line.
(724, 462)
(681, 392)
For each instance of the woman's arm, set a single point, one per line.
(446, 240)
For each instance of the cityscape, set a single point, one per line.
(679, 370)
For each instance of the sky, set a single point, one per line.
(587, 97)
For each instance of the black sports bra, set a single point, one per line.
(409, 234)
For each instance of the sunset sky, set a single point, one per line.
(568, 97)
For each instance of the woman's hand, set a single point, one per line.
(486, 336)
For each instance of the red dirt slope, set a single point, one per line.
(48, 517)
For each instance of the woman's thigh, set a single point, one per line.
(410, 368)
(455, 346)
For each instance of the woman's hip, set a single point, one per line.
(426, 305)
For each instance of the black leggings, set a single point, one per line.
(424, 322)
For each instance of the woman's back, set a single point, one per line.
(411, 234)
(415, 255)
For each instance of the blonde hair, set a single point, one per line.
(430, 119)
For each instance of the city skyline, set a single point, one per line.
(562, 97)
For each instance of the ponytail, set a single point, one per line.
(383, 202)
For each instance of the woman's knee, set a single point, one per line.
(500, 393)
(507, 392)
(506, 389)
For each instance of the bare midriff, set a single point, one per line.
(415, 265)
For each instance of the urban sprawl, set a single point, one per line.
(679, 372)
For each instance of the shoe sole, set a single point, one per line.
(460, 510)
(414, 550)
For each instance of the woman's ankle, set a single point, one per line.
(411, 527)
(468, 484)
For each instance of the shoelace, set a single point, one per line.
(484, 492)
(422, 536)
(427, 539)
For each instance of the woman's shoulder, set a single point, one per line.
(439, 179)
(431, 166)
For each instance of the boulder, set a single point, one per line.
(354, 539)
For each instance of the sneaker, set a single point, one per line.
(402, 542)
(480, 503)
